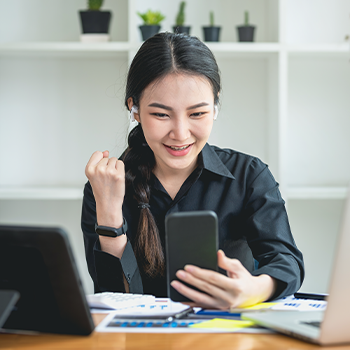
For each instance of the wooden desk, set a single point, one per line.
(119, 341)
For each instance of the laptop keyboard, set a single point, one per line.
(109, 300)
(316, 324)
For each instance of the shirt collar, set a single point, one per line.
(213, 163)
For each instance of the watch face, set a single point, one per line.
(104, 232)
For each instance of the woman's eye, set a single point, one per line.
(198, 114)
(159, 115)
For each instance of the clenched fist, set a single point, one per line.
(107, 179)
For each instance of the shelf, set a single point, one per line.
(229, 48)
(123, 47)
(71, 48)
(317, 192)
(65, 48)
(243, 47)
(327, 49)
(49, 193)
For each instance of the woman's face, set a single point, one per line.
(176, 114)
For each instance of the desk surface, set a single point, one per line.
(155, 341)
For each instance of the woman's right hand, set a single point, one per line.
(107, 179)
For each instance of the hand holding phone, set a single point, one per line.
(191, 238)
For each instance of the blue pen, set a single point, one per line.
(204, 312)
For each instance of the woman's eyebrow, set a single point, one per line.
(159, 105)
(198, 105)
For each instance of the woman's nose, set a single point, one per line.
(180, 130)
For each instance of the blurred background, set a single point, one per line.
(285, 99)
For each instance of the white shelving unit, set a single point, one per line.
(38, 48)
(284, 99)
(41, 193)
(299, 193)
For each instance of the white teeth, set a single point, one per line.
(179, 148)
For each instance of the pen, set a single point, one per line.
(181, 314)
(310, 296)
(212, 313)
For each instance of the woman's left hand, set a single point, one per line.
(238, 289)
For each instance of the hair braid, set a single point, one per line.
(139, 162)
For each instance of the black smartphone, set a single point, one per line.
(190, 238)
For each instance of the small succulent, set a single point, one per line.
(94, 5)
(246, 18)
(180, 18)
(151, 17)
(211, 15)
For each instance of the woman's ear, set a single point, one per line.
(130, 103)
(134, 115)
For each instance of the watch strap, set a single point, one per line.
(111, 231)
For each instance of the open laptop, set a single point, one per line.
(38, 263)
(332, 325)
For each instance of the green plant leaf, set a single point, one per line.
(246, 18)
(94, 5)
(180, 18)
(151, 17)
(211, 15)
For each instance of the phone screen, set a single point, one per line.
(191, 238)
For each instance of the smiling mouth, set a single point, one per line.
(179, 148)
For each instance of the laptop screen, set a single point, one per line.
(38, 263)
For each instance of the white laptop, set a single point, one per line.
(331, 326)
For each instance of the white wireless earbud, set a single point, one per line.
(134, 110)
(216, 112)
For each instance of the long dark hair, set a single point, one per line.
(159, 56)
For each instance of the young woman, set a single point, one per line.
(172, 91)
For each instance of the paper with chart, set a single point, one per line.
(157, 318)
(295, 304)
(154, 318)
(160, 308)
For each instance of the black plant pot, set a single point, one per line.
(246, 33)
(211, 33)
(96, 22)
(149, 30)
(182, 29)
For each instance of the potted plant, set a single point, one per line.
(212, 32)
(151, 22)
(179, 27)
(94, 22)
(246, 31)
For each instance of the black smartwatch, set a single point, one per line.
(111, 231)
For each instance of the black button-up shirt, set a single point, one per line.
(253, 223)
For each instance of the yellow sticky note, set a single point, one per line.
(260, 306)
(223, 324)
(252, 307)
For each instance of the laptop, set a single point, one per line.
(38, 263)
(326, 327)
